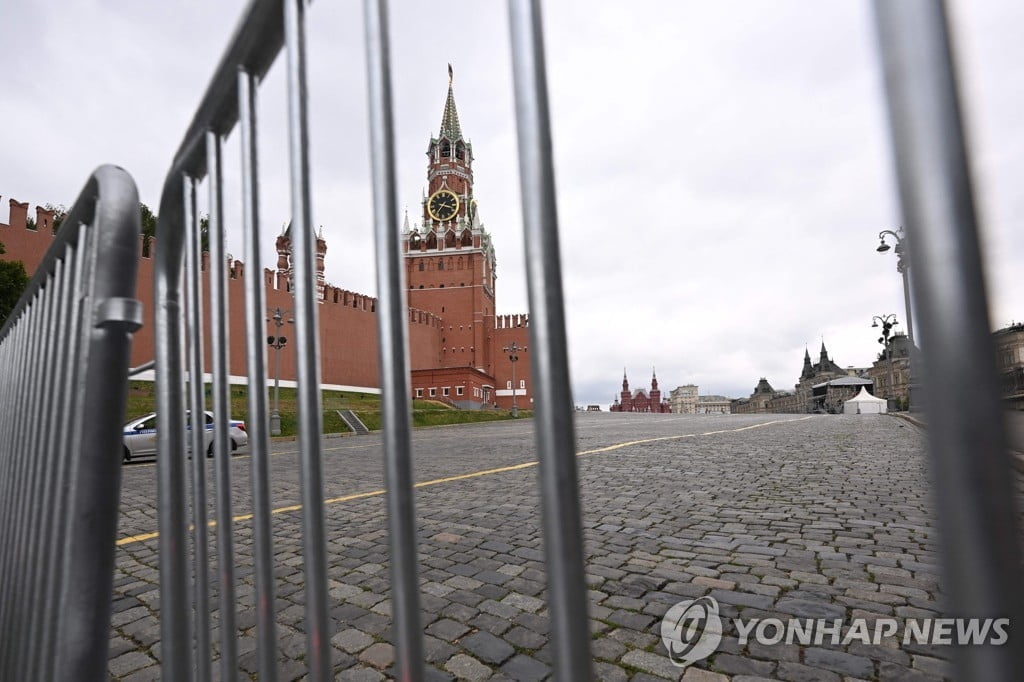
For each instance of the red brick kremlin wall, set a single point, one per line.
(348, 322)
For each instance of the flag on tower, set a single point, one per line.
(451, 74)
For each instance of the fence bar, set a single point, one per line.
(175, 645)
(23, 543)
(307, 351)
(40, 471)
(75, 294)
(392, 325)
(256, 360)
(555, 431)
(970, 461)
(200, 529)
(54, 504)
(221, 411)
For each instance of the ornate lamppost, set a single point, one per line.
(902, 266)
(513, 350)
(887, 323)
(277, 342)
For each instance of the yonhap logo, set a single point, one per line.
(691, 630)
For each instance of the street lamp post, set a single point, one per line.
(887, 322)
(277, 342)
(513, 350)
(902, 266)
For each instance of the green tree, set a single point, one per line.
(13, 280)
(148, 228)
(59, 213)
(204, 234)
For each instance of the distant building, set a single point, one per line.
(640, 400)
(713, 404)
(879, 372)
(1009, 342)
(685, 400)
(821, 387)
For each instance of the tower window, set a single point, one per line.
(440, 264)
(422, 265)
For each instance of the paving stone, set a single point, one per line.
(606, 672)
(607, 649)
(933, 666)
(656, 664)
(522, 638)
(838, 661)
(700, 675)
(525, 668)
(378, 655)
(129, 662)
(353, 641)
(523, 602)
(150, 674)
(737, 665)
(803, 608)
(797, 672)
(488, 648)
(360, 674)
(758, 601)
(448, 630)
(891, 672)
(466, 668)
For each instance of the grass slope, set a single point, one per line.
(142, 400)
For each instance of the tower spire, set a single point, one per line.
(450, 127)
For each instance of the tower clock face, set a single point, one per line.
(443, 205)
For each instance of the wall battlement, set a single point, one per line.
(511, 321)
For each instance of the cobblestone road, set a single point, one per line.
(812, 517)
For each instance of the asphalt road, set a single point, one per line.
(772, 515)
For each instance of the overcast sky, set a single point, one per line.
(723, 169)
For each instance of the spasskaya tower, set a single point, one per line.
(450, 271)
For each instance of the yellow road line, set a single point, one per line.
(475, 474)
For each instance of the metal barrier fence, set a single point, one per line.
(64, 355)
(977, 511)
(230, 100)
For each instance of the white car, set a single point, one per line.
(140, 435)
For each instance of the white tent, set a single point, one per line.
(864, 403)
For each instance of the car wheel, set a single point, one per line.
(127, 455)
(234, 445)
(209, 450)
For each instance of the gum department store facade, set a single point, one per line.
(456, 338)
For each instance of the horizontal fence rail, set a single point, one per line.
(64, 355)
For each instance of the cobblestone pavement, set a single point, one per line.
(812, 517)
